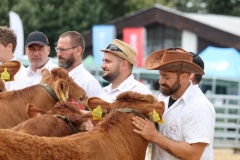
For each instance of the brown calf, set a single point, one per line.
(55, 86)
(113, 138)
(62, 120)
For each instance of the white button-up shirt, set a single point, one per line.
(130, 84)
(190, 119)
(35, 77)
(86, 80)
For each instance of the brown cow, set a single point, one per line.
(11, 68)
(62, 120)
(53, 87)
(113, 138)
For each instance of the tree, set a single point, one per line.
(54, 17)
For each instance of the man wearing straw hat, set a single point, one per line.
(189, 117)
(118, 61)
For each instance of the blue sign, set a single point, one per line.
(102, 36)
(221, 62)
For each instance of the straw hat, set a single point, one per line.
(172, 60)
(123, 50)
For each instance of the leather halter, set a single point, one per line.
(49, 90)
(67, 120)
(130, 110)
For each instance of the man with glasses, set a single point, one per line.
(37, 49)
(118, 61)
(70, 49)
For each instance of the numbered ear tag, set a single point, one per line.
(97, 113)
(63, 96)
(5, 75)
(156, 117)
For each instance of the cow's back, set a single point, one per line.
(13, 104)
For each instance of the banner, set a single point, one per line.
(102, 36)
(17, 27)
(136, 38)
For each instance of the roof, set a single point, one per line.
(221, 30)
(229, 24)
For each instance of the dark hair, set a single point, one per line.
(76, 39)
(197, 78)
(7, 36)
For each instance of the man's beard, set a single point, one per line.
(66, 63)
(167, 91)
(110, 77)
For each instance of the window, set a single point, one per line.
(161, 37)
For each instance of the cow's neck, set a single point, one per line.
(118, 132)
(37, 96)
(49, 90)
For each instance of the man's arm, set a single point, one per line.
(182, 150)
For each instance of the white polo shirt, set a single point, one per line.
(190, 119)
(86, 80)
(35, 77)
(130, 84)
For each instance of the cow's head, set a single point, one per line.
(77, 117)
(63, 85)
(129, 101)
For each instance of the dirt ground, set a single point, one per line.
(219, 154)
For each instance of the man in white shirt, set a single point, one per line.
(8, 43)
(37, 49)
(118, 61)
(189, 117)
(70, 49)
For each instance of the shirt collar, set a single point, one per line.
(122, 85)
(47, 66)
(76, 70)
(188, 92)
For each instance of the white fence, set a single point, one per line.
(227, 129)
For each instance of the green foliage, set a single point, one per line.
(225, 7)
(54, 17)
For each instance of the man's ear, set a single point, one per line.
(125, 64)
(192, 75)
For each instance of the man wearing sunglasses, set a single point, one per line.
(118, 61)
(70, 49)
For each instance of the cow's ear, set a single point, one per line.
(61, 89)
(9, 69)
(34, 111)
(45, 72)
(155, 109)
(94, 102)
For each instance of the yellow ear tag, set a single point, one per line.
(156, 117)
(97, 113)
(5, 75)
(63, 96)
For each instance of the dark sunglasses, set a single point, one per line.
(113, 47)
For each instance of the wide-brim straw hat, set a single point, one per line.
(172, 60)
(123, 50)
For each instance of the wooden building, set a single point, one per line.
(167, 27)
